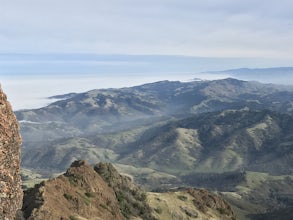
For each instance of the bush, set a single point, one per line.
(222, 211)
(90, 194)
(72, 180)
(182, 197)
(158, 210)
(67, 196)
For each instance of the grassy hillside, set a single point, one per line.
(189, 204)
(260, 193)
(217, 142)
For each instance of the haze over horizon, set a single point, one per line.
(29, 92)
(203, 28)
(53, 47)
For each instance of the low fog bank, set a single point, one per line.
(33, 92)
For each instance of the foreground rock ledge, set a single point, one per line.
(10, 181)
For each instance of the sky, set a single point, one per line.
(204, 28)
(50, 47)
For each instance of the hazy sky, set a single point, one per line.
(216, 28)
(97, 42)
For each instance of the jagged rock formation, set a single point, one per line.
(84, 192)
(10, 181)
(80, 193)
(132, 200)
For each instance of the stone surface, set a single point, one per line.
(10, 181)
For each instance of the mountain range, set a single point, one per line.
(100, 111)
(276, 75)
(226, 135)
(90, 192)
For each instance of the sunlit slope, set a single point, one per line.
(218, 142)
(211, 143)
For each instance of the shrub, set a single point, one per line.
(222, 211)
(67, 196)
(182, 197)
(72, 180)
(158, 210)
(103, 206)
(90, 194)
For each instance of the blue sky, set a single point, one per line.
(115, 43)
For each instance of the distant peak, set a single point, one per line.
(230, 80)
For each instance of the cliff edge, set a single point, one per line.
(10, 181)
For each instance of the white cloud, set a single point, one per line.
(188, 27)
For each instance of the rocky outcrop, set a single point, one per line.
(80, 193)
(10, 180)
(132, 200)
(84, 192)
(203, 200)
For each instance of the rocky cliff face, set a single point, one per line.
(10, 181)
(132, 200)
